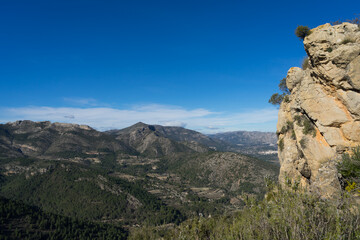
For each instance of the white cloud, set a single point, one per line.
(107, 118)
(173, 123)
(82, 101)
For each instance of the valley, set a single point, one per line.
(141, 175)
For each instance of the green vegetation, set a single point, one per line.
(21, 221)
(98, 191)
(25, 162)
(289, 126)
(71, 154)
(281, 144)
(283, 214)
(81, 192)
(302, 31)
(196, 171)
(298, 120)
(277, 98)
(91, 177)
(308, 126)
(349, 168)
(303, 143)
(283, 87)
(329, 49)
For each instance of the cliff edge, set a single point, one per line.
(320, 119)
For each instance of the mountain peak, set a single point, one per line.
(139, 124)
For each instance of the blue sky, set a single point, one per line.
(207, 65)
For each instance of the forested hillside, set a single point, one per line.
(143, 175)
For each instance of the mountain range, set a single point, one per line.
(143, 174)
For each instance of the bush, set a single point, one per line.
(293, 134)
(283, 214)
(302, 31)
(308, 127)
(298, 120)
(350, 165)
(349, 168)
(303, 143)
(289, 126)
(281, 144)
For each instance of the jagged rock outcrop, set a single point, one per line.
(320, 119)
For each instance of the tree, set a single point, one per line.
(302, 32)
(283, 87)
(277, 98)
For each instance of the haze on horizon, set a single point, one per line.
(209, 66)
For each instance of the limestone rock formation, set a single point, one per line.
(320, 119)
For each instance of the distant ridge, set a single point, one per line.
(46, 139)
(247, 137)
(64, 140)
(158, 140)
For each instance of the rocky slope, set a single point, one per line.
(157, 141)
(45, 140)
(320, 119)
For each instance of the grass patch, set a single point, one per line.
(308, 126)
(303, 143)
(349, 168)
(281, 144)
(283, 214)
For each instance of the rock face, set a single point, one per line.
(320, 119)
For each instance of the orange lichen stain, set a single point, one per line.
(321, 26)
(331, 90)
(342, 107)
(321, 139)
(291, 70)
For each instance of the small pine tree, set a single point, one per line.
(302, 31)
(277, 98)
